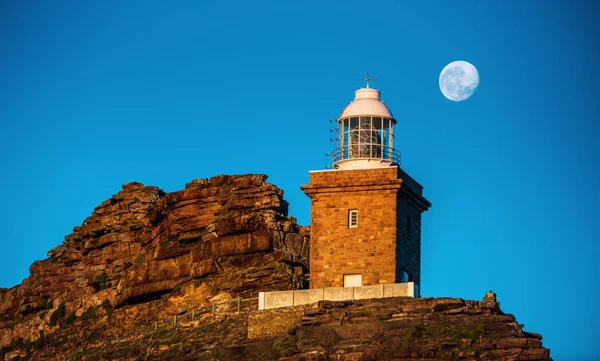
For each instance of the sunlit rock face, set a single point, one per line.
(145, 257)
(403, 328)
(217, 238)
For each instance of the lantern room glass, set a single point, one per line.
(366, 137)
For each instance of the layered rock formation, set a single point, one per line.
(398, 329)
(406, 329)
(216, 239)
(145, 277)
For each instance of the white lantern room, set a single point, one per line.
(365, 133)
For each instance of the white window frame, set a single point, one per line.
(352, 213)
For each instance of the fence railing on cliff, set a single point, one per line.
(236, 305)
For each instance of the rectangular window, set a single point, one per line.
(353, 280)
(353, 218)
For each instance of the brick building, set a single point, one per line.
(365, 211)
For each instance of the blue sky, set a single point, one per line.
(97, 94)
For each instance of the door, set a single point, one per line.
(353, 280)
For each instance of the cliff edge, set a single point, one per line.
(147, 254)
(159, 276)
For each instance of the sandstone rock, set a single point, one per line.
(429, 329)
(145, 257)
(144, 245)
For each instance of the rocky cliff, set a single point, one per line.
(396, 329)
(159, 276)
(425, 329)
(216, 239)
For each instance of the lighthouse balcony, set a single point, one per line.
(365, 156)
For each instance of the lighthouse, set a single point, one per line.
(365, 226)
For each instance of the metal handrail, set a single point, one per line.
(382, 152)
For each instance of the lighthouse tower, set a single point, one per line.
(365, 211)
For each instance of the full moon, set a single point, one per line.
(459, 80)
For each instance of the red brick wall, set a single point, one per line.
(369, 249)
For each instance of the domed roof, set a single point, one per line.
(366, 102)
